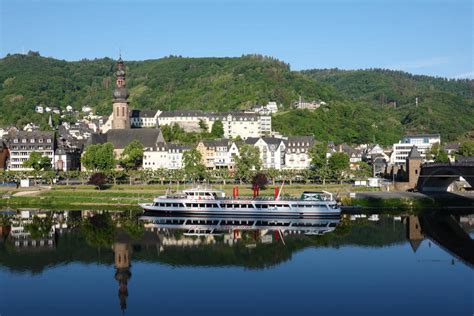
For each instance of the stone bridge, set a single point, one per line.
(439, 176)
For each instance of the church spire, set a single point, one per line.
(120, 115)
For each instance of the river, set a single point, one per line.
(109, 263)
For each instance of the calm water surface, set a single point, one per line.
(84, 263)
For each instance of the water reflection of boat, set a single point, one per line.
(219, 225)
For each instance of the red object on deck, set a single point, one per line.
(277, 235)
(277, 192)
(235, 192)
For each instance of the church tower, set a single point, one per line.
(120, 115)
(122, 254)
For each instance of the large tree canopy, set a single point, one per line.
(99, 157)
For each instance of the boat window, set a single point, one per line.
(175, 204)
(208, 194)
(264, 206)
(195, 205)
(202, 205)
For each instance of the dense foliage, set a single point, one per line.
(99, 157)
(360, 104)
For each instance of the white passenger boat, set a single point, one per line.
(206, 201)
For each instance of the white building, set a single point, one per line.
(164, 156)
(22, 144)
(272, 151)
(218, 154)
(86, 109)
(423, 143)
(236, 124)
(313, 105)
(268, 109)
(297, 152)
(144, 118)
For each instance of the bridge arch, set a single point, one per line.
(438, 177)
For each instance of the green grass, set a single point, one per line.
(131, 195)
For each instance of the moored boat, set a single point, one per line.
(210, 202)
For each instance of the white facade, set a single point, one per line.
(236, 124)
(144, 118)
(165, 156)
(272, 151)
(268, 109)
(422, 142)
(22, 144)
(297, 152)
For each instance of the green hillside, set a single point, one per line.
(445, 106)
(358, 102)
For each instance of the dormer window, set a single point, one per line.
(15, 140)
(40, 140)
(48, 140)
(32, 140)
(23, 140)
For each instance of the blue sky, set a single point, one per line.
(418, 36)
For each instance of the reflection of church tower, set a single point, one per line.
(120, 115)
(122, 274)
(414, 234)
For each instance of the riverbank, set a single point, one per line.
(123, 196)
(128, 197)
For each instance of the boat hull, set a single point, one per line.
(246, 208)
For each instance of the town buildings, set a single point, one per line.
(144, 118)
(272, 151)
(423, 142)
(236, 124)
(21, 144)
(297, 152)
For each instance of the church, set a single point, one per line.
(121, 133)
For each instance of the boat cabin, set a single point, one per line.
(204, 194)
(316, 196)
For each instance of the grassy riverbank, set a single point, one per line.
(128, 197)
(125, 196)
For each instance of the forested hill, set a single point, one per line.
(353, 112)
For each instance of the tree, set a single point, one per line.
(273, 174)
(363, 170)
(466, 149)
(99, 157)
(319, 161)
(338, 164)
(247, 162)
(132, 155)
(203, 126)
(193, 166)
(437, 154)
(217, 130)
(259, 181)
(98, 179)
(37, 161)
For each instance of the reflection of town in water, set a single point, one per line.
(123, 237)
